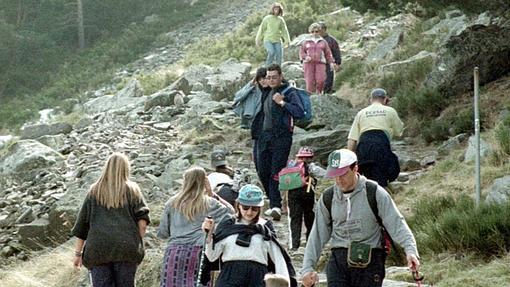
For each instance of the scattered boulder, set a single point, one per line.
(163, 98)
(470, 153)
(499, 192)
(125, 100)
(181, 84)
(386, 46)
(39, 130)
(475, 45)
(330, 112)
(27, 155)
(323, 142)
(55, 142)
(227, 79)
(446, 147)
(398, 66)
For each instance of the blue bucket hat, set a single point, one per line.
(251, 195)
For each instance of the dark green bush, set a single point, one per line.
(387, 6)
(456, 225)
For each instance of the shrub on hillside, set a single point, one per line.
(502, 134)
(388, 6)
(457, 225)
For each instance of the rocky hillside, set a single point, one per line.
(46, 170)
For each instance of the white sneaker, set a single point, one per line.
(268, 212)
(276, 213)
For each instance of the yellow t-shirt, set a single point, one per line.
(376, 117)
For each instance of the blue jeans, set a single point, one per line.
(114, 274)
(274, 53)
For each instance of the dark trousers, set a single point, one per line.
(330, 79)
(300, 207)
(115, 274)
(339, 274)
(376, 161)
(242, 274)
(272, 156)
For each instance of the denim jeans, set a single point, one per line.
(274, 53)
(114, 274)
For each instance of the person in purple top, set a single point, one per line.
(337, 56)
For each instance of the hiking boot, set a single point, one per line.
(268, 212)
(276, 213)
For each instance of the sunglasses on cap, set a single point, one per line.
(254, 208)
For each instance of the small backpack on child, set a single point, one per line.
(292, 176)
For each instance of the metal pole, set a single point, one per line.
(477, 138)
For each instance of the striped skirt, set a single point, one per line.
(180, 266)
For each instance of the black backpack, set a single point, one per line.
(371, 188)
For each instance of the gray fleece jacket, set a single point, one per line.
(359, 224)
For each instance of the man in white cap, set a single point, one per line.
(348, 222)
(370, 136)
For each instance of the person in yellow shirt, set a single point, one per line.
(370, 136)
(272, 31)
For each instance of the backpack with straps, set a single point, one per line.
(292, 176)
(371, 188)
(304, 97)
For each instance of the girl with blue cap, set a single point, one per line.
(246, 244)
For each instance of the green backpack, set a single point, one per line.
(292, 176)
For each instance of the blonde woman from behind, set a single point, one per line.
(181, 224)
(110, 226)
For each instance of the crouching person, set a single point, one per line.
(351, 215)
(246, 244)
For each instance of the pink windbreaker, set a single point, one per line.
(317, 49)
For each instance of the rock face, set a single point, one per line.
(330, 111)
(125, 100)
(26, 155)
(499, 192)
(470, 154)
(386, 46)
(38, 130)
(322, 142)
(227, 79)
(476, 45)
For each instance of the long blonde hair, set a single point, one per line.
(192, 200)
(113, 188)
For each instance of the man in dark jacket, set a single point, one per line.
(335, 50)
(272, 130)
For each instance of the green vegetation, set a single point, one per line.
(450, 224)
(42, 65)
(502, 134)
(395, 6)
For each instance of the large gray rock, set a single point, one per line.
(173, 172)
(499, 192)
(330, 111)
(55, 142)
(386, 46)
(323, 142)
(451, 144)
(129, 98)
(227, 79)
(197, 74)
(398, 66)
(181, 84)
(202, 103)
(38, 130)
(470, 154)
(475, 45)
(26, 155)
(163, 98)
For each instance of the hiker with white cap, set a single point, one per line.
(246, 244)
(370, 136)
(346, 218)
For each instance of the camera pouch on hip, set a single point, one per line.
(359, 255)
